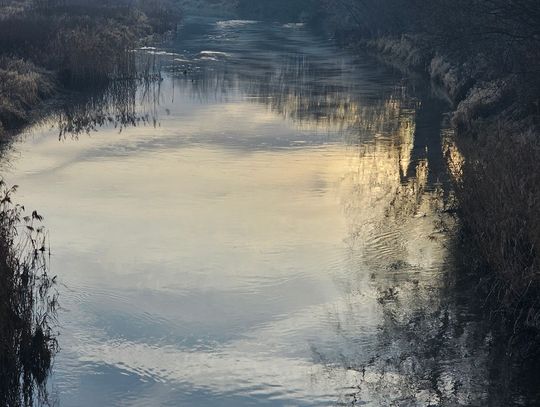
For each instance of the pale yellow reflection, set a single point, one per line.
(454, 157)
(391, 210)
(213, 213)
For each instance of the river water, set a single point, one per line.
(265, 226)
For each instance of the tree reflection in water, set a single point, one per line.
(437, 340)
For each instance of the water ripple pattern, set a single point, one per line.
(238, 233)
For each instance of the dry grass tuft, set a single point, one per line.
(22, 85)
(497, 189)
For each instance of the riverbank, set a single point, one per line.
(47, 49)
(493, 158)
(494, 161)
(484, 58)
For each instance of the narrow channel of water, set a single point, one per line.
(263, 227)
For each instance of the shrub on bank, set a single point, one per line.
(81, 44)
(90, 51)
(22, 85)
(404, 49)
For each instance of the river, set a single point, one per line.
(265, 226)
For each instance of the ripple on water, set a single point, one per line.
(235, 23)
(239, 252)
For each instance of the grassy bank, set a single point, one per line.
(47, 46)
(494, 160)
(22, 86)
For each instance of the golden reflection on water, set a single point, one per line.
(453, 155)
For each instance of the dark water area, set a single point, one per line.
(267, 225)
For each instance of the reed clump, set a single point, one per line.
(499, 202)
(28, 305)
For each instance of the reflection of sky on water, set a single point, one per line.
(236, 253)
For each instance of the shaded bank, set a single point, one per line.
(484, 55)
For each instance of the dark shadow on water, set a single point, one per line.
(438, 346)
(438, 340)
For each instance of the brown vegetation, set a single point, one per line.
(499, 205)
(22, 85)
(71, 44)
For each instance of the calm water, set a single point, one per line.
(270, 234)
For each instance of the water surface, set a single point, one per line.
(266, 230)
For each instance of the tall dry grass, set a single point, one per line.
(27, 306)
(496, 184)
